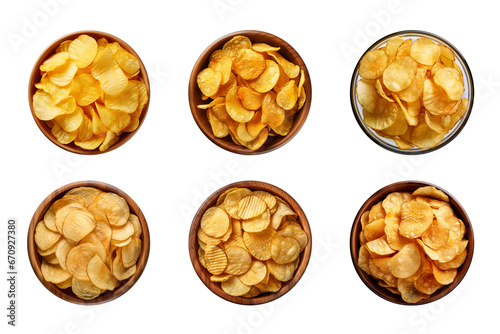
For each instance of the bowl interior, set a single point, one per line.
(389, 143)
(36, 77)
(204, 275)
(195, 98)
(36, 259)
(369, 281)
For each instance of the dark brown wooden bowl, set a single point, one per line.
(36, 259)
(369, 281)
(204, 275)
(36, 77)
(195, 99)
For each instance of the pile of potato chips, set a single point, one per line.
(89, 242)
(90, 93)
(412, 243)
(411, 92)
(255, 92)
(250, 242)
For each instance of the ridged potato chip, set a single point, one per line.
(54, 61)
(106, 70)
(238, 260)
(215, 259)
(82, 50)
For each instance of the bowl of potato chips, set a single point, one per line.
(250, 242)
(412, 92)
(250, 92)
(411, 243)
(89, 92)
(88, 242)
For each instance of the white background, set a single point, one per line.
(331, 167)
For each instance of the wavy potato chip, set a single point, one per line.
(239, 260)
(373, 64)
(82, 50)
(106, 70)
(215, 259)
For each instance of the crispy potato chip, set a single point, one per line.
(209, 81)
(54, 61)
(282, 210)
(456, 262)
(373, 64)
(413, 92)
(249, 64)
(84, 289)
(259, 243)
(109, 140)
(432, 192)
(232, 201)
(235, 109)
(54, 273)
(288, 95)
(282, 272)
(119, 270)
(379, 246)
(272, 114)
(45, 109)
(284, 249)
(400, 74)
(215, 259)
(392, 202)
(215, 222)
(444, 276)
(383, 116)
(364, 259)
(392, 47)
(374, 230)
(391, 229)
(126, 101)
(106, 70)
(449, 79)
(272, 285)
(235, 44)
(78, 258)
(424, 137)
(114, 207)
(267, 79)
(400, 125)
(295, 231)
(127, 62)
(416, 217)
(435, 99)
(427, 284)
(382, 91)
(82, 50)
(251, 206)
(367, 95)
(70, 122)
(263, 47)
(63, 74)
(238, 260)
(77, 224)
(45, 238)
(376, 212)
(291, 70)
(100, 275)
(234, 287)
(409, 292)
(122, 233)
(219, 128)
(249, 98)
(406, 262)
(91, 144)
(425, 51)
(255, 274)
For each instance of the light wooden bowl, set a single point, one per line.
(204, 275)
(36, 77)
(36, 259)
(195, 99)
(370, 282)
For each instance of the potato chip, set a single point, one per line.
(249, 64)
(219, 128)
(379, 246)
(249, 98)
(267, 79)
(238, 260)
(444, 276)
(70, 122)
(382, 91)
(406, 262)
(127, 62)
(259, 243)
(272, 114)
(288, 95)
(251, 206)
(282, 272)
(78, 258)
(119, 270)
(392, 202)
(435, 99)
(291, 70)
(82, 50)
(449, 79)
(374, 229)
(100, 275)
(392, 47)
(209, 81)
(77, 224)
(424, 137)
(114, 207)
(284, 249)
(122, 233)
(54, 61)
(409, 292)
(400, 74)
(84, 289)
(272, 285)
(126, 101)
(45, 238)
(115, 120)
(106, 70)
(263, 47)
(432, 192)
(416, 217)
(425, 51)
(45, 109)
(373, 64)
(63, 74)
(215, 222)
(91, 144)
(215, 259)
(54, 273)
(255, 274)
(234, 287)
(235, 44)
(414, 91)
(235, 109)
(109, 140)
(427, 284)
(400, 125)
(383, 116)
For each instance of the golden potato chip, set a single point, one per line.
(222, 65)
(54, 273)
(235, 44)
(367, 95)
(391, 229)
(406, 262)
(255, 274)
(251, 206)
(249, 64)
(209, 81)
(234, 287)
(215, 222)
(84, 289)
(374, 229)
(272, 285)
(291, 70)
(219, 128)
(435, 99)
(100, 275)
(282, 210)
(249, 98)
(364, 258)
(91, 144)
(282, 272)
(114, 207)
(109, 140)
(88, 194)
(400, 125)
(126, 101)
(392, 47)
(425, 51)
(45, 109)
(284, 249)
(413, 92)
(263, 47)
(127, 62)
(295, 231)
(122, 233)
(78, 258)
(77, 224)
(416, 217)
(215, 101)
(215, 259)
(373, 64)
(82, 50)
(382, 91)
(66, 284)
(114, 120)
(288, 95)
(106, 70)
(238, 260)
(409, 292)
(45, 238)
(427, 284)
(456, 262)
(232, 201)
(272, 114)
(267, 79)
(449, 79)
(400, 74)
(259, 243)
(70, 122)
(235, 109)
(444, 276)
(63, 74)
(392, 202)
(54, 61)
(383, 116)
(119, 270)
(379, 246)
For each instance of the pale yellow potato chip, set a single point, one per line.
(255, 274)
(82, 50)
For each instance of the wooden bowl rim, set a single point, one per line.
(66, 294)
(200, 117)
(204, 275)
(35, 77)
(370, 282)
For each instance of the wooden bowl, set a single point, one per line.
(370, 282)
(389, 144)
(200, 116)
(204, 275)
(36, 77)
(36, 259)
